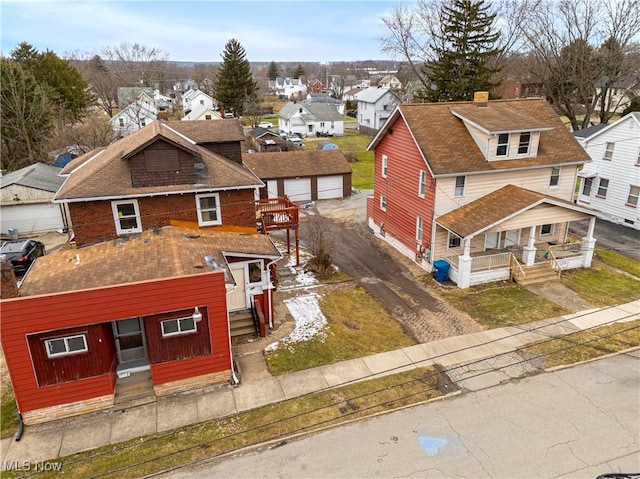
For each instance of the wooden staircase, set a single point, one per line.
(135, 390)
(537, 273)
(241, 323)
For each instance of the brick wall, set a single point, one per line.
(190, 384)
(67, 410)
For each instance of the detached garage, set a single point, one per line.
(302, 175)
(26, 200)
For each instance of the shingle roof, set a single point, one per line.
(38, 176)
(107, 174)
(223, 131)
(372, 94)
(495, 207)
(291, 164)
(150, 255)
(449, 149)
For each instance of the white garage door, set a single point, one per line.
(298, 190)
(31, 218)
(272, 188)
(330, 187)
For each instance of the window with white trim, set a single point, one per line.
(173, 327)
(383, 202)
(255, 271)
(608, 152)
(66, 345)
(143, 122)
(503, 144)
(127, 216)
(461, 182)
(524, 143)
(546, 230)
(419, 229)
(385, 165)
(554, 181)
(121, 121)
(638, 158)
(422, 186)
(586, 186)
(209, 209)
(603, 186)
(634, 192)
(454, 241)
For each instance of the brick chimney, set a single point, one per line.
(9, 286)
(481, 98)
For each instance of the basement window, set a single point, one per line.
(67, 345)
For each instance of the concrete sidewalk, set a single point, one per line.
(474, 361)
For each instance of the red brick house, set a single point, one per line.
(156, 306)
(168, 171)
(486, 186)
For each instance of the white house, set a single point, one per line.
(202, 112)
(133, 117)
(375, 106)
(289, 87)
(610, 183)
(194, 98)
(309, 119)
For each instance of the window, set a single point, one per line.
(127, 216)
(202, 102)
(121, 121)
(586, 187)
(555, 176)
(608, 152)
(209, 209)
(383, 203)
(255, 272)
(503, 144)
(603, 186)
(67, 345)
(460, 184)
(422, 187)
(546, 230)
(634, 192)
(638, 159)
(523, 144)
(419, 229)
(172, 327)
(322, 124)
(143, 122)
(207, 117)
(454, 240)
(384, 166)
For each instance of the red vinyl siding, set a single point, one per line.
(103, 305)
(404, 205)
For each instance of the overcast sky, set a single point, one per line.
(270, 30)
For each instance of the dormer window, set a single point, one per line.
(523, 144)
(503, 144)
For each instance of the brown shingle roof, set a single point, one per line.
(449, 148)
(107, 175)
(290, 164)
(497, 206)
(507, 117)
(163, 253)
(219, 131)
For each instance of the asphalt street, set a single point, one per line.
(577, 422)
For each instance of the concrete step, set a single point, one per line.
(241, 324)
(134, 390)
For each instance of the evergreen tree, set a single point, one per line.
(299, 71)
(234, 83)
(274, 71)
(464, 51)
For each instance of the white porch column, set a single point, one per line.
(529, 251)
(589, 244)
(464, 266)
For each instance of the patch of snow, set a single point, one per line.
(308, 318)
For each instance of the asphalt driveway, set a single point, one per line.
(621, 239)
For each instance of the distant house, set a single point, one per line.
(135, 116)
(302, 175)
(391, 82)
(26, 200)
(193, 99)
(202, 112)
(352, 94)
(291, 88)
(610, 183)
(316, 86)
(263, 140)
(309, 118)
(619, 94)
(129, 94)
(375, 106)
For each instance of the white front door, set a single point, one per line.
(237, 299)
(511, 238)
(491, 240)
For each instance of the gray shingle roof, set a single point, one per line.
(38, 176)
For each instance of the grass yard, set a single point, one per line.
(357, 325)
(598, 342)
(618, 261)
(353, 142)
(601, 286)
(497, 305)
(144, 456)
(8, 411)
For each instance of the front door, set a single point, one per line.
(130, 343)
(237, 299)
(511, 238)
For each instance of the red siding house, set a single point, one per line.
(157, 305)
(168, 171)
(485, 186)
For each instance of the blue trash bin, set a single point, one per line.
(441, 270)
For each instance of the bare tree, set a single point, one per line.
(321, 246)
(135, 64)
(93, 131)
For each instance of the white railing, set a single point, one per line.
(493, 261)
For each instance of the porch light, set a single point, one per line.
(197, 315)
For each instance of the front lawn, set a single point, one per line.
(353, 143)
(601, 286)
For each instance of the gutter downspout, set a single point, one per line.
(20, 427)
(234, 376)
(269, 294)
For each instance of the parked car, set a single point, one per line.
(265, 124)
(22, 253)
(352, 113)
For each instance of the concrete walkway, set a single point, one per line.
(474, 361)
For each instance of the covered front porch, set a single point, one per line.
(526, 242)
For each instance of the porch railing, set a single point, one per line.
(516, 269)
(489, 262)
(555, 266)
